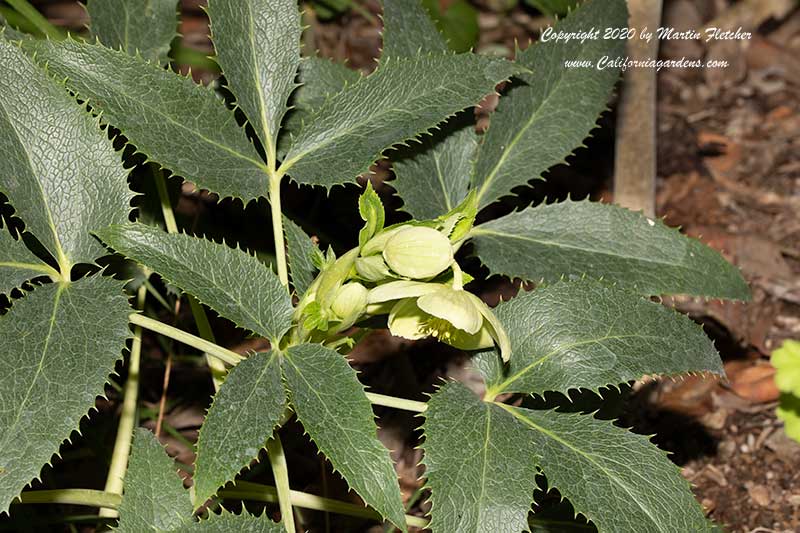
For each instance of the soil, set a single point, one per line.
(728, 173)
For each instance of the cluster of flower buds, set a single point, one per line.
(408, 272)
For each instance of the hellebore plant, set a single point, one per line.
(591, 322)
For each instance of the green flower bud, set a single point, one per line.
(350, 303)
(372, 268)
(418, 252)
(376, 244)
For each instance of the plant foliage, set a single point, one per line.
(589, 324)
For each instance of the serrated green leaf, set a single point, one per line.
(617, 479)
(319, 78)
(583, 334)
(458, 22)
(331, 405)
(230, 281)
(258, 48)
(370, 207)
(299, 254)
(433, 178)
(8, 32)
(245, 411)
(17, 263)
(408, 30)
(605, 241)
(146, 27)
(59, 344)
(543, 118)
(789, 413)
(154, 498)
(230, 523)
(480, 464)
(183, 126)
(400, 100)
(59, 171)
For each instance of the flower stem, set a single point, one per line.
(87, 497)
(280, 471)
(397, 403)
(127, 418)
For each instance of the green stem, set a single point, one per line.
(24, 8)
(397, 403)
(225, 355)
(233, 358)
(242, 490)
(264, 493)
(199, 314)
(127, 418)
(277, 226)
(87, 497)
(280, 471)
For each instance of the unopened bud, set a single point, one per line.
(372, 268)
(350, 301)
(418, 252)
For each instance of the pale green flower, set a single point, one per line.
(418, 252)
(454, 316)
(349, 303)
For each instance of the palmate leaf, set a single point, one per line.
(331, 405)
(146, 27)
(59, 345)
(154, 499)
(604, 241)
(299, 252)
(583, 334)
(258, 47)
(480, 464)
(183, 126)
(400, 100)
(245, 411)
(408, 30)
(230, 281)
(59, 171)
(541, 121)
(17, 263)
(617, 479)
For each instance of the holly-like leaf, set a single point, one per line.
(408, 30)
(59, 345)
(299, 254)
(245, 411)
(617, 479)
(17, 263)
(549, 112)
(230, 281)
(59, 171)
(480, 464)
(154, 498)
(400, 100)
(583, 334)
(330, 403)
(605, 241)
(183, 126)
(433, 177)
(458, 22)
(8, 32)
(146, 27)
(258, 48)
(229, 522)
